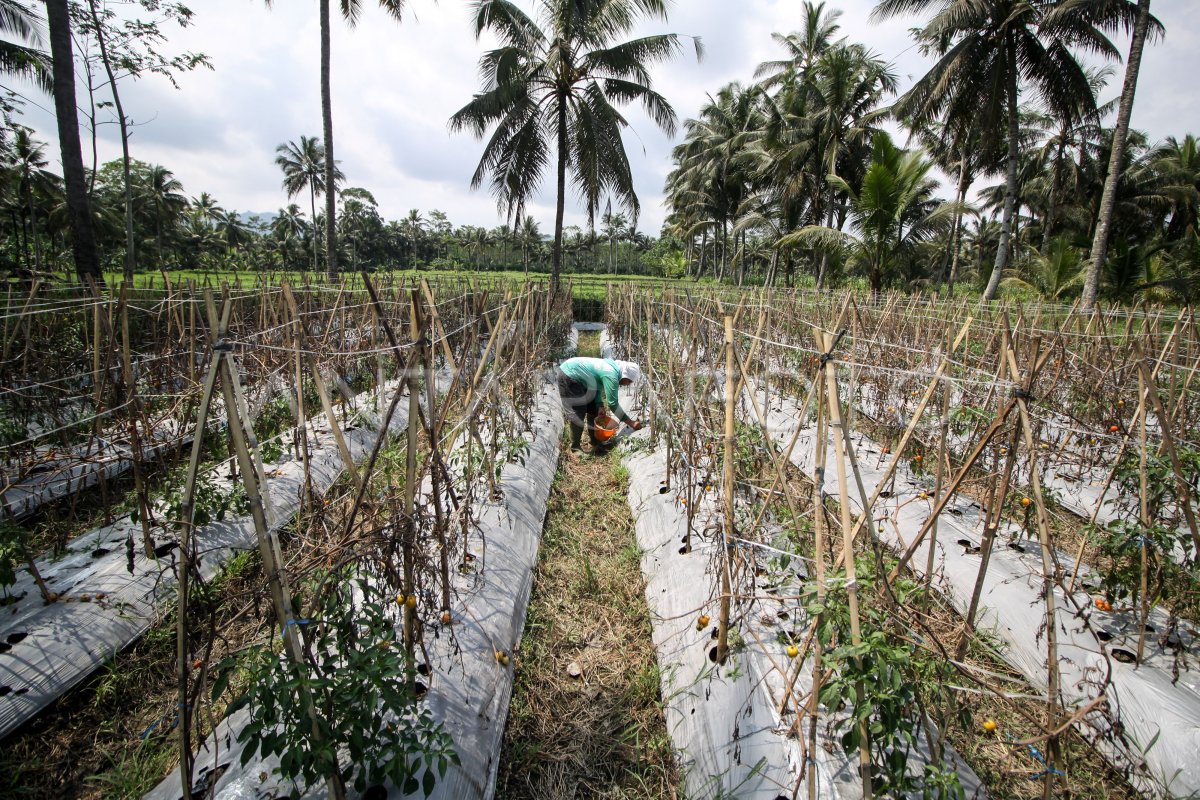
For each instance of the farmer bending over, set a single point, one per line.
(588, 385)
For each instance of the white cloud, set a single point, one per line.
(396, 85)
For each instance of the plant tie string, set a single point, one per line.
(1049, 770)
(174, 721)
(283, 631)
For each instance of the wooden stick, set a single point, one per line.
(1048, 572)
(187, 515)
(1144, 513)
(326, 405)
(725, 565)
(825, 344)
(268, 549)
(819, 563)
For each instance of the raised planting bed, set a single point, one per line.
(102, 605)
(468, 676)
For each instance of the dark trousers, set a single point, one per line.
(580, 405)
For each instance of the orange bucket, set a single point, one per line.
(606, 427)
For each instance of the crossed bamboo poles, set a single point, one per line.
(699, 314)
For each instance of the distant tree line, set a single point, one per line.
(792, 178)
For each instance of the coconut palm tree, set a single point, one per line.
(305, 166)
(713, 174)
(160, 190)
(551, 91)
(351, 11)
(890, 213)
(19, 60)
(803, 47)
(205, 207)
(442, 231)
(28, 166)
(1054, 274)
(83, 236)
(1144, 26)
(1177, 162)
(851, 82)
(612, 228)
(413, 227)
(784, 152)
(989, 52)
(529, 236)
(289, 228)
(233, 232)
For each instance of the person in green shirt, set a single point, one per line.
(587, 385)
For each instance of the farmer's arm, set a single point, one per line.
(612, 400)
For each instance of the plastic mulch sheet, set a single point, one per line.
(469, 691)
(104, 606)
(1155, 706)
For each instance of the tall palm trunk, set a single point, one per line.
(83, 236)
(33, 231)
(724, 247)
(1108, 200)
(312, 200)
(956, 232)
(561, 201)
(25, 238)
(158, 238)
(124, 124)
(327, 125)
(1010, 183)
(1055, 179)
(823, 264)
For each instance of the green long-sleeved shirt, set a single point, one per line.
(601, 375)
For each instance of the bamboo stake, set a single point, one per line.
(326, 405)
(1144, 513)
(819, 566)
(268, 548)
(939, 480)
(726, 567)
(187, 515)
(420, 325)
(995, 507)
(408, 541)
(825, 344)
(37, 285)
(135, 447)
(255, 454)
(1048, 573)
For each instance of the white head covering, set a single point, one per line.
(630, 371)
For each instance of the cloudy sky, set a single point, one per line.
(395, 85)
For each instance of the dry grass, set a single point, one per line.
(602, 734)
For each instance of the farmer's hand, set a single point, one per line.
(636, 424)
